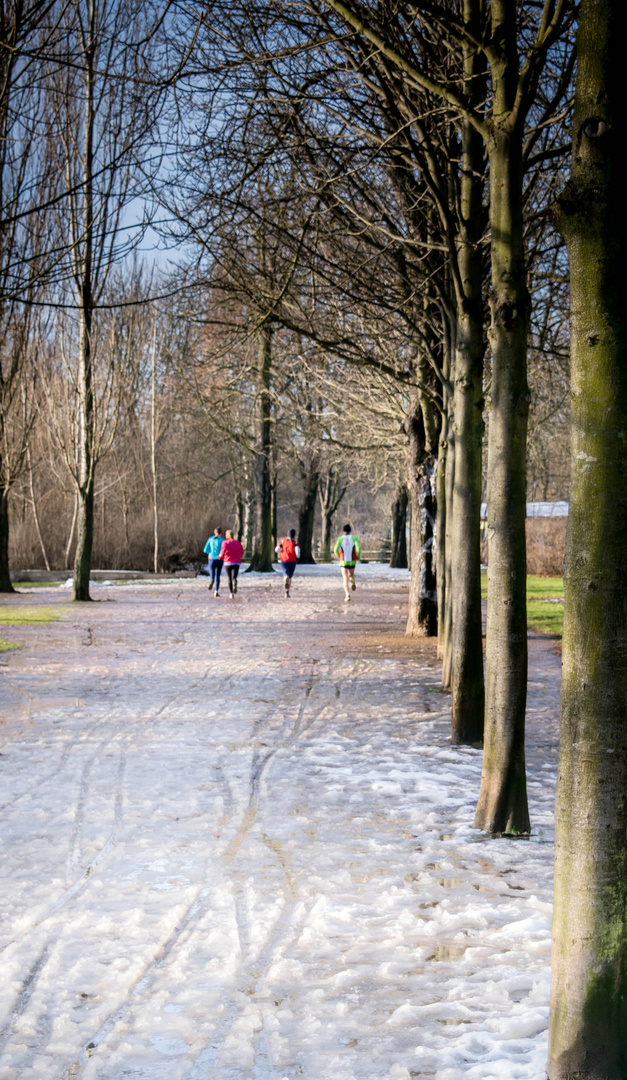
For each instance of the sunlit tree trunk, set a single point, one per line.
(502, 806)
(85, 386)
(467, 689)
(398, 554)
(31, 485)
(85, 476)
(588, 1020)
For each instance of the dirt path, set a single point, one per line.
(236, 845)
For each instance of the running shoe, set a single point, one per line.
(353, 586)
(216, 593)
(347, 599)
(234, 586)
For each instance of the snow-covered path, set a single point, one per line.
(237, 845)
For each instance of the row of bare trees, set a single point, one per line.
(363, 194)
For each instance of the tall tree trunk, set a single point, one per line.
(502, 806)
(153, 451)
(331, 491)
(467, 689)
(85, 486)
(238, 528)
(588, 1020)
(5, 576)
(398, 554)
(422, 619)
(31, 485)
(447, 615)
(326, 524)
(275, 530)
(262, 553)
(311, 478)
(86, 462)
(249, 521)
(84, 544)
(70, 537)
(440, 526)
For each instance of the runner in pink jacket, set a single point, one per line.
(232, 552)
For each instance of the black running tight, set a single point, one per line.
(232, 570)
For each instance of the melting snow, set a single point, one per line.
(231, 851)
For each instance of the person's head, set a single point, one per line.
(228, 534)
(292, 534)
(218, 531)
(347, 528)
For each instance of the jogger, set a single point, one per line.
(232, 553)
(213, 548)
(348, 550)
(288, 552)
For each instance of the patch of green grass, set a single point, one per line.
(36, 584)
(26, 616)
(7, 646)
(545, 587)
(546, 617)
(542, 615)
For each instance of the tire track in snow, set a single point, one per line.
(287, 926)
(289, 731)
(77, 886)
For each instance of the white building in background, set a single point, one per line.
(538, 509)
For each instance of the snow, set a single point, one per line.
(236, 846)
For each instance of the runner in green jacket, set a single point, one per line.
(348, 551)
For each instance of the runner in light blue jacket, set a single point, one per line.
(212, 549)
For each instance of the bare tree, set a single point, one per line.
(104, 114)
(588, 985)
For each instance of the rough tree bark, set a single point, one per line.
(262, 549)
(238, 528)
(440, 526)
(85, 476)
(85, 385)
(398, 554)
(5, 577)
(502, 806)
(422, 441)
(467, 688)
(588, 1020)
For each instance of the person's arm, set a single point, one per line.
(357, 547)
(297, 550)
(207, 549)
(222, 549)
(338, 544)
